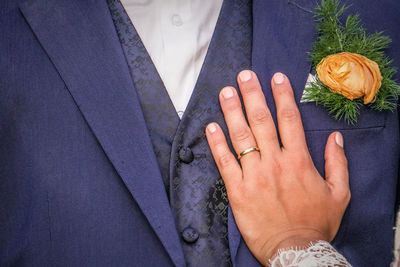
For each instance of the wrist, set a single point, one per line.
(294, 239)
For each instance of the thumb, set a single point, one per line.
(336, 172)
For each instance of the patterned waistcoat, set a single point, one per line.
(196, 192)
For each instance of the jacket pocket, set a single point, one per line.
(317, 118)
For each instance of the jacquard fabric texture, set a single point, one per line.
(197, 194)
(158, 110)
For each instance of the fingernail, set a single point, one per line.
(212, 128)
(339, 139)
(279, 78)
(227, 92)
(245, 76)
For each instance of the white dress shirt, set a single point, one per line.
(176, 34)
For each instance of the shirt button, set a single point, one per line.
(186, 155)
(176, 20)
(190, 235)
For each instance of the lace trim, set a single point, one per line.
(396, 252)
(319, 254)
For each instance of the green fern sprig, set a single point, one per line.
(335, 37)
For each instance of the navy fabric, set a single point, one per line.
(198, 198)
(80, 184)
(371, 146)
(159, 113)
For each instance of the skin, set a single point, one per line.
(277, 196)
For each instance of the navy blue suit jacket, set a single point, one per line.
(79, 183)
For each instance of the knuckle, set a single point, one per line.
(241, 133)
(241, 191)
(300, 163)
(250, 88)
(237, 196)
(259, 116)
(342, 162)
(231, 104)
(337, 162)
(225, 160)
(343, 197)
(301, 160)
(261, 180)
(290, 114)
(285, 91)
(300, 157)
(330, 164)
(347, 197)
(244, 193)
(345, 162)
(276, 166)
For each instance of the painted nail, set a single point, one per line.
(245, 76)
(227, 92)
(212, 128)
(279, 78)
(339, 139)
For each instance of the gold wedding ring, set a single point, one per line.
(247, 151)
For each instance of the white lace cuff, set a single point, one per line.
(319, 254)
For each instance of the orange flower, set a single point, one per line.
(351, 75)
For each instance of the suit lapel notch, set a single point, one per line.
(80, 39)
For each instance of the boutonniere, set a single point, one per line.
(352, 69)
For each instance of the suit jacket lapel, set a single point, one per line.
(283, 33)
(81, 41)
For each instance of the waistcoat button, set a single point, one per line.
(190, 235)
(186, 155)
